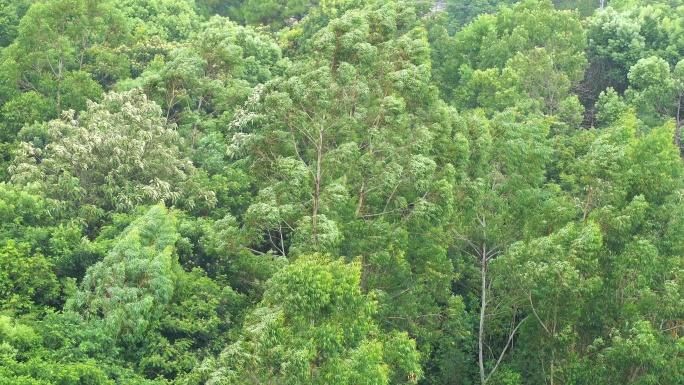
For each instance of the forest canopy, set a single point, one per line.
(341, 192)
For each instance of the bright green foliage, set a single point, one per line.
(19, 211)
(33, 223)
(60, 349)
(551, 280)
(615, 42)
(115, 156)
(485, 46)
(201, 85)
(58, 37)
(657, 92)
(499, 200)
(610, 107)
(344, 147)
(173, 20)
(28, 107)
(315, 326)
(618, 40)
(363, 192)
(330, 156)
(589, 289)
(462, 12)
(617, 166)
(232, 50)
(299, 35)
(506, 167)
(130, 288)
(194, 326)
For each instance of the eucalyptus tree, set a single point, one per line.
(358, 93)
(553, 281)
(587, 287)
(501, 199)
(347, 146)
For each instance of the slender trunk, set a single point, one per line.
(317, 183)
(365, 270)
(83, 49)
(679, 122)
(194, 125)
(169, 104)
(362, 193)
(59, 83)
(586, 205)
(483, 307)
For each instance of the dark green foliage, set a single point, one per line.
(461, 12)
(25, 280)
(9, 22)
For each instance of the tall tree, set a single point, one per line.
(345, 146)
(499, 201)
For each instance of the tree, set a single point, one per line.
(275, 13)
(358, 113)
(202, 84)
(486, 46)
(588, 289)
(552, 280)
(27, 281)
(615, 44)
(9, 21)
(172, 20)
(58, 37)
(461, 13)
(315, 326)
(345, 147)
(195, 325)
(112, 157)
(505, 173)
(657, 92)
(130, 288)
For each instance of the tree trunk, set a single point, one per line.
(483, 308)
(678, 123)
(317, 184)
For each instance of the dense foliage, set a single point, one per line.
(341, 192)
